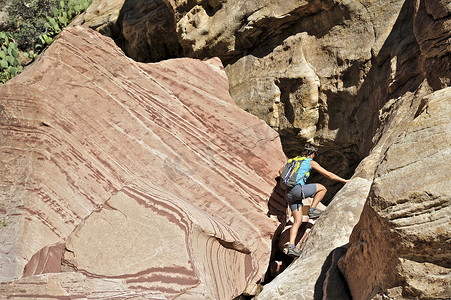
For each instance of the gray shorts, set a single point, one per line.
(299, 192)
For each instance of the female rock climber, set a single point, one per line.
(301, 190)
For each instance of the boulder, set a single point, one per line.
(316, 70)
(401, 246)
(311, 70)
(124, 177)
(300, 66)
(297, 65)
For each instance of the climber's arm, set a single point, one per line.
(326, 173)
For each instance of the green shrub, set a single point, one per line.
(33, 24)
(60, 18)
(10, 62)
(26, 20)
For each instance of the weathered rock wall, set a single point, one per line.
(130, 179)
(312, 69)
(401, 246)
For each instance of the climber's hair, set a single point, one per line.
(309, 149)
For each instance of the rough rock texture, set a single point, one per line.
(298, 65)
(152, 178)
(156, 40)
(73, 286)
(403, 231)
(307, 68)
(403, 242)
(145, 30)
(102, 16)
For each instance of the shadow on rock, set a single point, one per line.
(277, 206)
(331, 283)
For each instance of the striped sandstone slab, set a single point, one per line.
(86, 133)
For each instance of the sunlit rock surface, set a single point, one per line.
(131, 178)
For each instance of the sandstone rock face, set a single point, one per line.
(308, 76)
(73, 285)
(299, 66)
(317, 70)
(130, 179)
(366, 80)
(401, 245)
(156, 40)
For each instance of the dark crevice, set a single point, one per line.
(235, 245)
(209, 9)
(287, 88)
(331, 284)
(66, 266)
(155, 19)
(260, 39)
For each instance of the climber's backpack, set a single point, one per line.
(291, 169)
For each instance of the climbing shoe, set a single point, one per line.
(314, 213)
(293, 251)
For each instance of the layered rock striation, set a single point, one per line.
(125, 179)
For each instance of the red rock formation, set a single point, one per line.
(149, 173)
